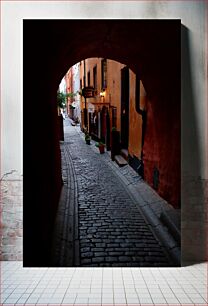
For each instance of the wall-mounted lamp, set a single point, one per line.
(102, 93)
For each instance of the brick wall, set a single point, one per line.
(11, 207)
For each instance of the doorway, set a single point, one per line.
(124, 107)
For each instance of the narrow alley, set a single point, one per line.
(129, 101)
(98, 219)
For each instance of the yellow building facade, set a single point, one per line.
(105, 76)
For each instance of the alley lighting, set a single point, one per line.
(102, 93)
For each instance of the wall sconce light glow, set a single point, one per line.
(102, 93)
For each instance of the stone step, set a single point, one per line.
(120, 160)
(125, 154)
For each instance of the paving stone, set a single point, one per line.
(119, 240)
(111, 249)
(126, 245)
(125, 259)
(111, 259)
(86, 254)
(112, 245)
(98, 254)
(116, 253)
(96, 240)
(130, 253)
(86, 249)
(98, 259)
(102, 245)
(85, 240)
(112, 231)
(98, 249)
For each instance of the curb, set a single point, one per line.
(158, 229)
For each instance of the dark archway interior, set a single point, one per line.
(151, 48)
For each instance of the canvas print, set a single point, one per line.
(102, 153)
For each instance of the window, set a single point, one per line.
(88, 78)
(95, 77)
(80, 83)
(104, 73)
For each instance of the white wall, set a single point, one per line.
(62, 86)
(191, 13)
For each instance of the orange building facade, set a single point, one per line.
(69, 88)
(105, 76)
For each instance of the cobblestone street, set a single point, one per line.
(111, 228)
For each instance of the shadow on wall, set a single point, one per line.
(193, 211)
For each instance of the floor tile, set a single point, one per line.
(81, 301)
(190, 287)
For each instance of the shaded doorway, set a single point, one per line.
(125, 107)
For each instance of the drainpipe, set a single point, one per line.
(85, 109)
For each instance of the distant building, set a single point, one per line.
(73, 87)
(62, 86)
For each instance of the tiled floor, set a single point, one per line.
(103, 286)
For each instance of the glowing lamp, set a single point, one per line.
(102, 93)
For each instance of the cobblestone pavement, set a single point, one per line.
(112, 231)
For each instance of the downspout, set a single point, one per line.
(85, 99)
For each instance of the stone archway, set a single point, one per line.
(150, 48)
